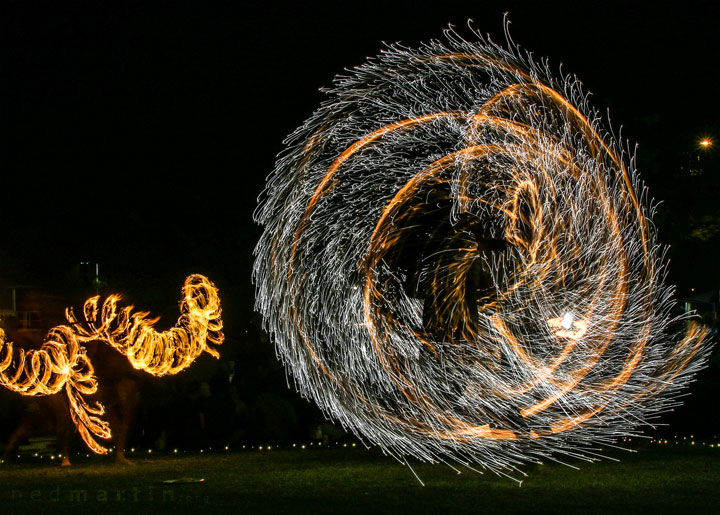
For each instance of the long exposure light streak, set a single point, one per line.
(458, 263)
(62, 362)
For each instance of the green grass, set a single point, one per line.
(659, 479)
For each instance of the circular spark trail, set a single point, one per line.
(62, 362)
(458, 263)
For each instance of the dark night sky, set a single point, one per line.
(139, 134)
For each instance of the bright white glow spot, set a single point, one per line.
(567, 321)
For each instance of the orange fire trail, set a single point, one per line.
(458, 262)
(62, 362)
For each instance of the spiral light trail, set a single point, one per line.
(458, 263)
(62, 362)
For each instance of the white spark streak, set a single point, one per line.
(424, 228)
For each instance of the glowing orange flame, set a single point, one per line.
(62, 362)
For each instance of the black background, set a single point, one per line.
(139, 134)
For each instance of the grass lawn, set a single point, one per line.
(660, 479)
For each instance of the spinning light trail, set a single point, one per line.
(458, 263)
(62, 363)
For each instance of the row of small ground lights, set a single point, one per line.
(138, 452)
(685, 440)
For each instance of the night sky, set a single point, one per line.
(138, 135)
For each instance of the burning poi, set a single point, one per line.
(62, 362)
(458, 263)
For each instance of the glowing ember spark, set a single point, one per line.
(422, 232)
(62, 363)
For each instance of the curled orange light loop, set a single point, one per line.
(62, 362)
(458, 262)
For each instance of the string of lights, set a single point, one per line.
(49, 453)
(62, 362)
(458, 263)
